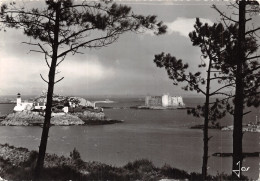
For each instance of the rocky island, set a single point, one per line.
(66, 110)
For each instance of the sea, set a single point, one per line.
(161, 136)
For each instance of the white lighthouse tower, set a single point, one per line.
(18, 100)
(19, 104)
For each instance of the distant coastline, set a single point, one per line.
(148, 107)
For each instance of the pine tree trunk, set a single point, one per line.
(205, 141)
(205, 129)
(239, 96)
(46, 125)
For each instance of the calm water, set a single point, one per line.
(158, 135)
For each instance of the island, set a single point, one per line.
(250, 127)
(66, 110)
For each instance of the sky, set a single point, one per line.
(125, 67)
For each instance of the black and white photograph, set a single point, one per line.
(129, 90)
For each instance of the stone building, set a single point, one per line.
(153, 100)
(164, 101)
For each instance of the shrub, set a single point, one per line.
(74, 155)
(76, 158)
(174, 173)
(31, 161)
(142, 165)
(223, 176)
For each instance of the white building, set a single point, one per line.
(40, 105)
(168, 101)
(165, 101)
(20, 106)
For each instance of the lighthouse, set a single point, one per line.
(20, 106)
(18, 100)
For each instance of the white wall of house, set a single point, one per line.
(22, 106)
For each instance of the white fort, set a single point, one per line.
(165, 101)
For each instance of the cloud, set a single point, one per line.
(181, 25)
(90, 69)
(184, 26)
(20, 74)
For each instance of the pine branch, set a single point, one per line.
(63, 58)
(37, 51)
(249, 19)
(221, 93)
(58, 80)
(46, 60)
(252, 31)
(196, 87)
(247, 113)
(228, 85)
(44, 79)
(28, 13)
(221, 77)
(75, 34)
(222, 14)
(224, 99)
(210, 137)
(250, 58)
(88, 42)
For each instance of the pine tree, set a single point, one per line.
(219, 49)
(247, 70)
(62, 27)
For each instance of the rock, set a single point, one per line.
(89, 104)
(28, 107)
(89, 115)
(66, 120)
(23, 118)
(61, 100)
(27, 118)
(78, 101)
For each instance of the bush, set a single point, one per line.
(174, 173)
(74, 155)
(142, 165)
(99, 171)
(222, 176)
(31, 161)
(76, 158)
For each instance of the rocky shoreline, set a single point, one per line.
(245, 154)
(201, 126)
(30, 118)
(148, 107)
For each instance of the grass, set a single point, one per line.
(23, 161)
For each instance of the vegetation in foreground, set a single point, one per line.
(18, 164)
